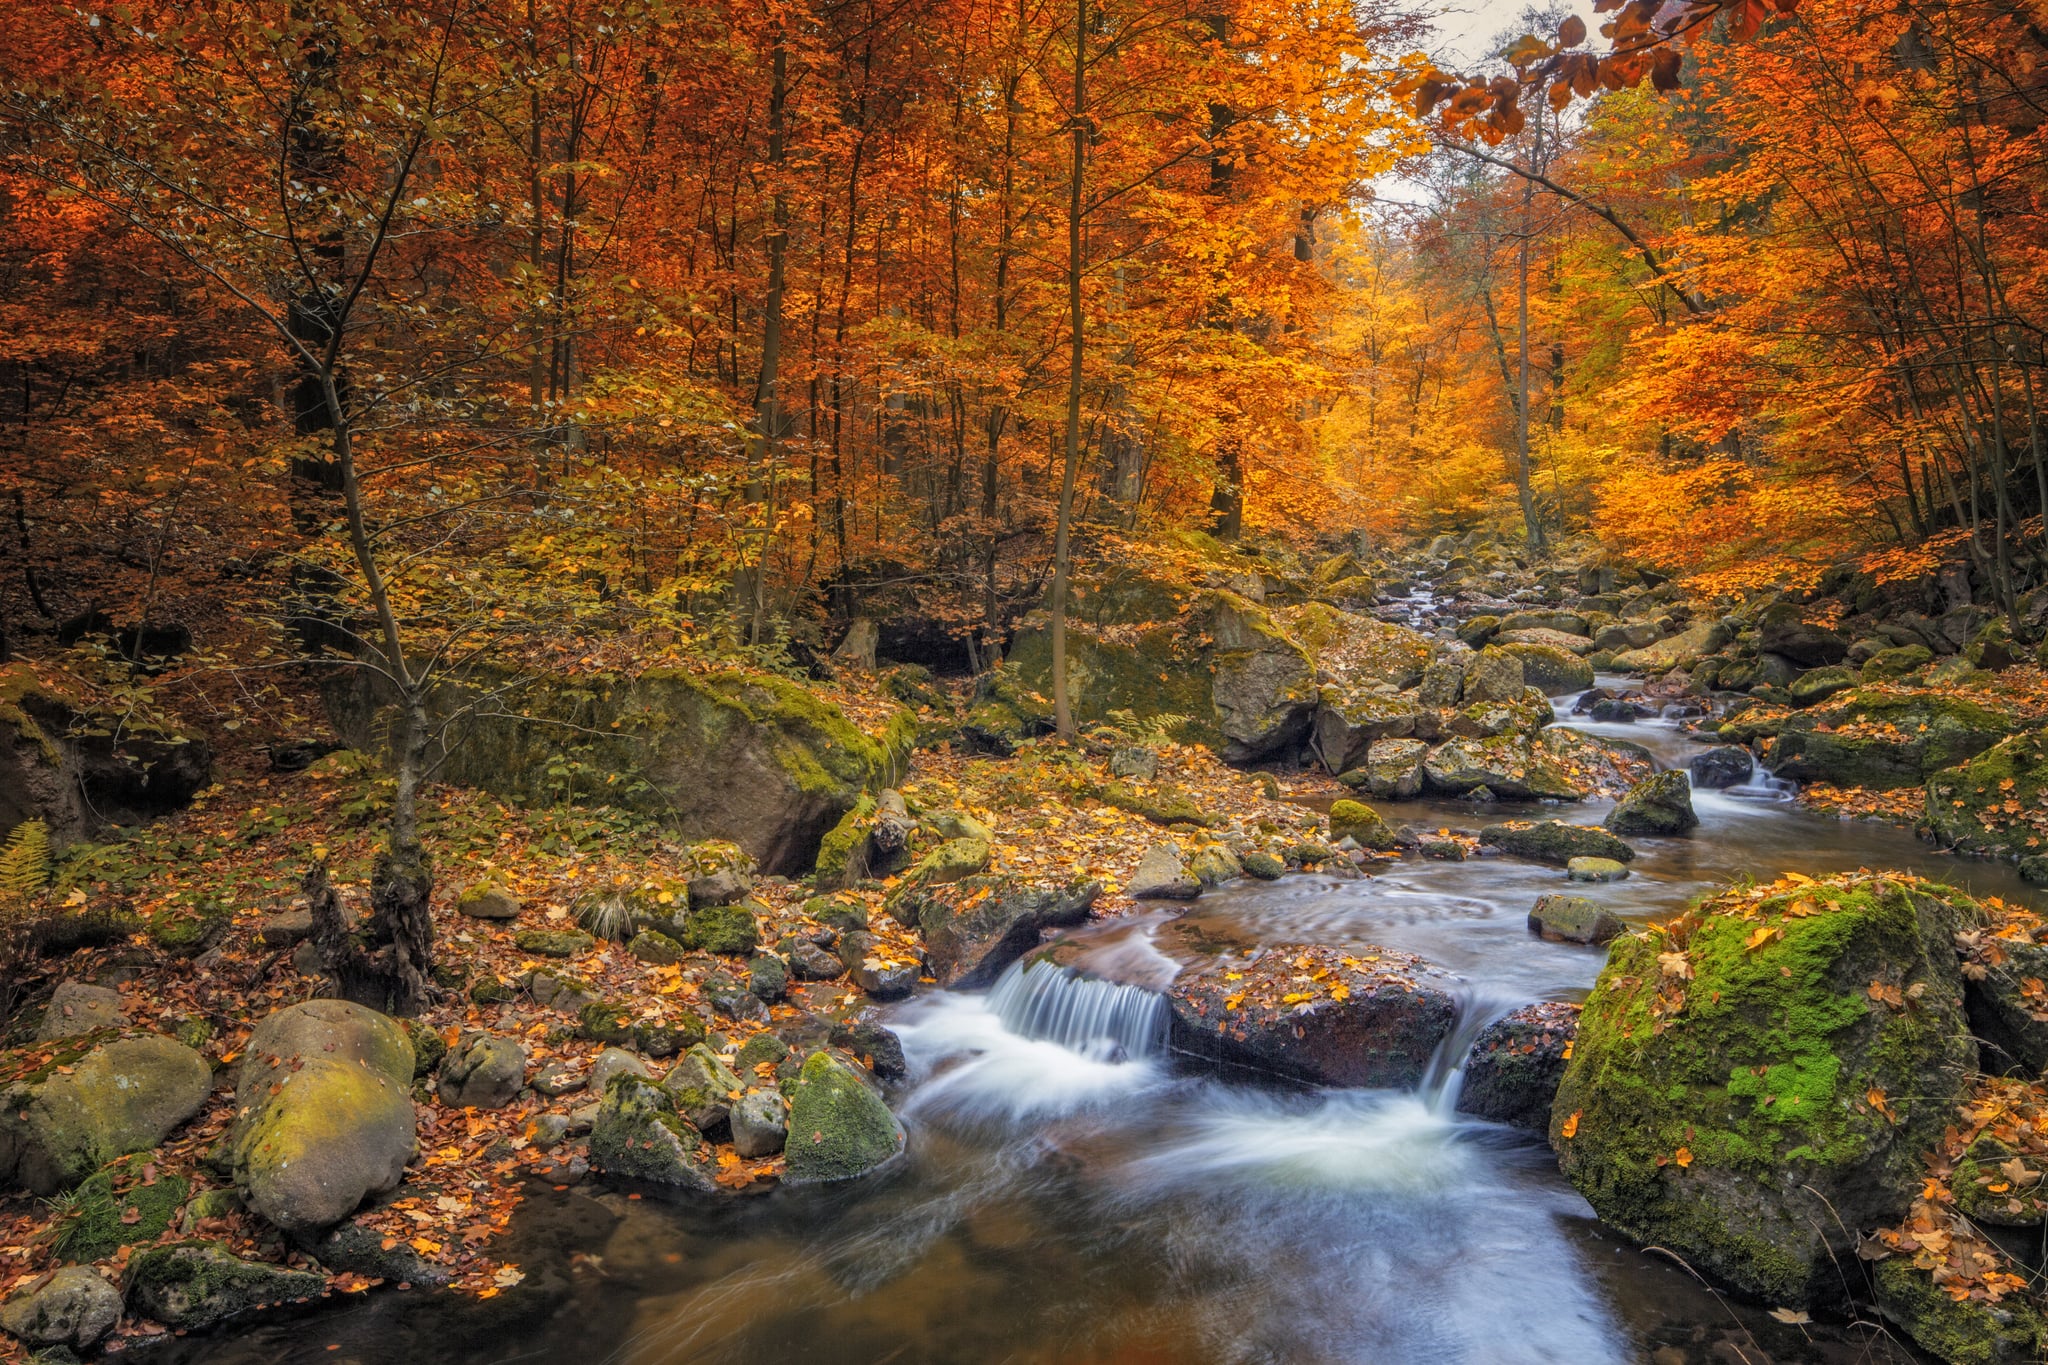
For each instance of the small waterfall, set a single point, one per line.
(1098, 1019)
(1446, 1074)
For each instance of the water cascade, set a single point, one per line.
(1100, 1020)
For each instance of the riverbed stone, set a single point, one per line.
(1968, 1331)
(1660, 804)
(1574, 919)
(1494, 675)
(1356, 820)
(1682, 650)
(703, 1087)
(1738, 1093)
(482, 1071)
(1263, 866)
(1879, 739)
(1986, 804)
(1375, 1022)
(1723, 766)
(1549, 668)
(638, 1134)
(189, 1285)
(838, 1126)
(1816, 685)
(1783, 629)
(1393, 768)
(1595, 870)
(2008, 1002)
(976, 927)
(1512, 1072)
(95, 1099)
(729, 929)
(1162, 876)
(1552, 841)
(324, 1115)
(76, 1008)
(1518, 766)
(760, 1123)
(74, 1306)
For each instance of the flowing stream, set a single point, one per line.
(1073, 1195)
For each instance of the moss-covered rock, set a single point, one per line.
(838, 1127)
(1516, 766)
(72, 1306)
(1512, 1072)
(1888, 664)
(656, 948)
(195, 1284)
(1162, 803)
(68, 1111)
(1818, 684)
(728, 930)
(1587, 869)
(1959, 1332)
(1738, 1094)
(1550, 669)
(841, 914)
(639, 1135)
(841, 853)
(1356, 820)
(703, 1088)
(1553, 842)
(1263, 865)
(752, 757)
(487, 901)
(1682, 650)
(1660, 804)
(189, 931)
(1392, 769)
(1574, 919)
(1884, 739)
(559, 943)
(1214, 864)
(1993, 803)
(976, 927)
(325, 1115)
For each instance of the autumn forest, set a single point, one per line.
(1059, 681)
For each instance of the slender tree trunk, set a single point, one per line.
(1062, 704)
(768, 408)
(1530, 520)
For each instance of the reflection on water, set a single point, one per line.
(1072, 1199)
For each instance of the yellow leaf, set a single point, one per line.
(1683, 1156)
(1571, 1125)
(1761, 935)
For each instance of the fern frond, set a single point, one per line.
(25, 859)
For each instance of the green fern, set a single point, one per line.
(25, 859)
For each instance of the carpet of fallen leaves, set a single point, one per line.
(1902, 806)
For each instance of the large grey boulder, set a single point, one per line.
(1494, 675)
(324, 1116)
(704, 1088)
(1682, 650)
(68, 1116)
(74, 1306)
(1393, 768)
(1783, 630)
(760, 1124)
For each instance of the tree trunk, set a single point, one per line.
(768, 408)
(1062, 703)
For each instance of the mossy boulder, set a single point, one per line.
(1553, 842)
(1884, 739)
(78, 768)
(1660, 804)
(639, 1135)
(703, 1088)
(1214, 864)
(1263, 865)
(68, 1110)
(838, 1126)
(1574, 919)
(1993, 803)
(1959, 1332)
(1493, 674)
(1515, 766)
(1549, 668)
(557, 943)
(487, 901)
(1682, 650)
(195, 1284)
(190, 930)
(324, 1113)
(1816, 685)
(2007, 994)
(656, 948)
(1349, 722)
(1163, 803)
(1392, 769)
(1738, 1094)
(976, 927)
(752, 757)
(949, 862)
(1356, 820)
(728, 930)
(1888, 664)
(842, 851)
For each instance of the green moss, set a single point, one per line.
(842, 842)
(554, 942)
(651, 945)
(490, 991)
(2010, 1332)
(189, 932)
(427, 1047)
(841, 914)
(729, 930)
(1356, 820)
(1263, 865)
(1967, 805)
(640, 1136)
(198, 1283)
(838, 1127)
(117, 1207)
(606, 1021)
(1759, 1066)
